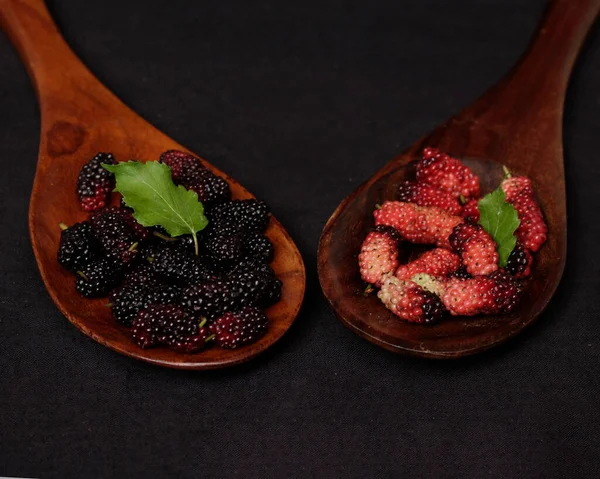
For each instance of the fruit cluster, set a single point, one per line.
(157, 285)
(462, 274)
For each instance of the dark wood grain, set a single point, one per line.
(80, 117)
(517, 123)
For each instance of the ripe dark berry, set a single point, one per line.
(210, 188)
(127, 300)
(187, 170)
(423, 194)
(235, 329)
(461, 273)
(169, 325)
(143, 275)
(255, 283)
(258, 246)
(249, 216)
(141, 233)
(181, 333)
(184, 166)
(432, 307)
(94, 183)
(78, 246)
(211, 299)
(224, 248)
(248, 286)
(98, 277)
(519, 262)
(186, 344)
(145, 327)
(272, 293)
(178, 265)
(116, 237)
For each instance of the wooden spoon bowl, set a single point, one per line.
(518, 123)
(80, 117)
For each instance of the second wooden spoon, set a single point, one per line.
(517, 123)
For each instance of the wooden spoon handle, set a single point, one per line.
(51, 64)
(536, 86)
(550, 57)
(521, 116)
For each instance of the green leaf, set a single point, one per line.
(156, 200)
(500, 220)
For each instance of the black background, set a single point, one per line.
(300, 101)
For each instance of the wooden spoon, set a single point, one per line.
(79, 118)
(517, 123)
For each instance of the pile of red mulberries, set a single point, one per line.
(460, 275)
(156, 285)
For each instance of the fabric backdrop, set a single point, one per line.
(300, 101)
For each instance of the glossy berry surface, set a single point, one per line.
(129, 298)
(188, 171)
(249, 216)
(532, 231)
(476, 248)
(409, 301)
(185, 167)
(519, 262)
(418, 224)
(98, 277)
(94, 183)
(117, 238)
(210, 188)
(169, 325)
(258, 246)
(494, 294)
(435, 262)
(178, 265)
(140, 232)
(235, 329)
(470, 211)
(449, 174)
(379, 254)
(78, 246)
(424, 194)
(210, 299)
(224, 248)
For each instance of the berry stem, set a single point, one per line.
(368, 290)
(63, 226)
(80, 273)
(133, 246)
(507, 173)
(202, 323)
(195, 242)
(163, 237)
(209, 338)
